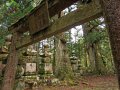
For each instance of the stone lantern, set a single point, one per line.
(46, 63)
(74, 62)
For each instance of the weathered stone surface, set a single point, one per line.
(46, 65)
(74, 62)
(31, 67)
(3, 57)
(30, 51)
(3, 50)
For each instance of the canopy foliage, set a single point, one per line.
(10, 12)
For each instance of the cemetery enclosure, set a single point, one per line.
(89, 13)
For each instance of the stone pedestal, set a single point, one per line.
(29, 61)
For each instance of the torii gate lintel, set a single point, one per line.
(77, 17)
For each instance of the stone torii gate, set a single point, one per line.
(38, 24)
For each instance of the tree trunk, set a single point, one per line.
(111, 10)
(100, 68)
(10, 71)
(90, 49)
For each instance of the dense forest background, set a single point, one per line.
(88, 44)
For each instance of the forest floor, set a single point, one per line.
(89, 83)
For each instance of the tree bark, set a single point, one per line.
(90, 47)
(10, 71)
(111, 10)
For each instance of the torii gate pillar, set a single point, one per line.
(10, 71)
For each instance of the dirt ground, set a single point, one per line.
(89, 83)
